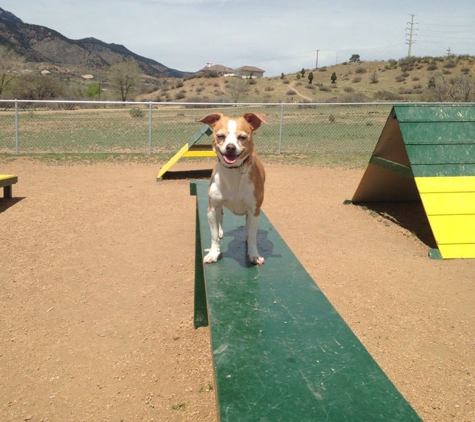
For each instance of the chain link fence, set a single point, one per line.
(62, 127)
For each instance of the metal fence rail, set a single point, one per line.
(28, 127)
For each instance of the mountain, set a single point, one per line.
(39, 44)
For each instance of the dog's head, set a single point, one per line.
(232, 137)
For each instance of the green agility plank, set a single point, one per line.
(281, 351)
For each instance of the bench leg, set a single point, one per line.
(7, 192)
(201, 308)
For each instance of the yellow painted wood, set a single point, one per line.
(7, 176)
(199, 154)
(172, 161)
(8, 179)
(445, 184)
(449, 203)
(190, 151)
(457, 251)
(453, 228)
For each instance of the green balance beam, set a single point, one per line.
(281, 352)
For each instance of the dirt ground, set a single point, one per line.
(96, 292)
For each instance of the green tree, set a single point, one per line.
(333, 77)
(302, 72)
(94, 91)
(310, 77)
(124, 79)
(354, 58)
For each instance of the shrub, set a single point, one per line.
(291, 92)
(136, 112)
(356, 79)
(360, 69)
(374, 78)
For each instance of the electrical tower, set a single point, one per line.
(411, 34)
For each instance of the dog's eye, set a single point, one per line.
(221, 136)
(242, 137)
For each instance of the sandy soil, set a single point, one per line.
(96, 292)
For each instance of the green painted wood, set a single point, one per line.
(438, 133)
(205, 129)
(439, 139)
(391, 165)
(281, 351)
(434, 113)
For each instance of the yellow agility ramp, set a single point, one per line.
(427, 152)
(190, 149)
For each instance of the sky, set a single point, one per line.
(278, 36)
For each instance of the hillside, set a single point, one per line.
(403, 80)
(39, 45)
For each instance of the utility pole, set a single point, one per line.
(448, 52)
(316, 60)
(410, 35)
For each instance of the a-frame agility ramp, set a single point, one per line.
(427, 152)
(191, 150)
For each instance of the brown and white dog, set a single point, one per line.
(237, 181)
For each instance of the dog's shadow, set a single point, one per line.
(237, 247)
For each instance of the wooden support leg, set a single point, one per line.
(201, 308)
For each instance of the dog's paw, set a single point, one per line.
(211, 257)
(257, 260)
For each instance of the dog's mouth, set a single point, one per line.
(230, 158)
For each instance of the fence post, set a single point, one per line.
(17, 142)
(279, 149)
(150, 128)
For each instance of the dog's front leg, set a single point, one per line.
(252, 224)
(215, 218)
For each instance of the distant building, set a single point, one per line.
(217, 69)
(249, 72)
(220, 70)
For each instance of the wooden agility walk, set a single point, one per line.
(281, 352)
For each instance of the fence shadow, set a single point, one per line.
(408, 214)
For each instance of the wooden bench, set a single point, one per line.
(281, 352)
(6, 182)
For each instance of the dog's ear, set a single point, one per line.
(255, 119)
(211, 119)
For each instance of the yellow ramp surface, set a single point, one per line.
(449, 203)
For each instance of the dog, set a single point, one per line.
(237, 181)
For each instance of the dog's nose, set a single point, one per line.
(230, 149)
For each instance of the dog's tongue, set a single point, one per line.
(230, 159)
